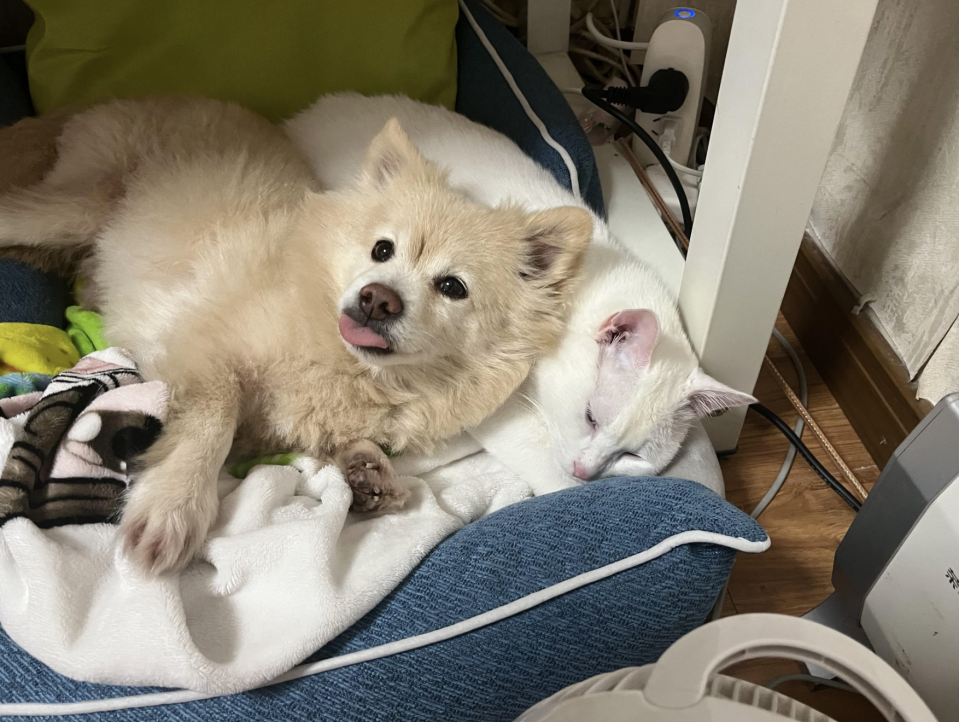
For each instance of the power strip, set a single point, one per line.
(681, 41)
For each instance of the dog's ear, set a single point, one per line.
(389, 154)
(556, 242)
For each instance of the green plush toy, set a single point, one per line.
(85, 329)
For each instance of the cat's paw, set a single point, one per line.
(162, 528)
(370, 475)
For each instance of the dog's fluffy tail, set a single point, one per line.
(49, 216)
(45, 226)
(28, 149)
(50, 230)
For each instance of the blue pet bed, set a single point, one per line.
(496, 671)
(547, 557)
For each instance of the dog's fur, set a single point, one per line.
(28, 150)
(219, 265)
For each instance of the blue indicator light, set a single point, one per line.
(684, 13)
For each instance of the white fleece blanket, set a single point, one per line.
(286, 569)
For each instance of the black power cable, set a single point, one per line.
(665, 92)
(596, 96)
(808, 456)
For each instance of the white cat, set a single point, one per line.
(619, 394)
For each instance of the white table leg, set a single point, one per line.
(788, 71)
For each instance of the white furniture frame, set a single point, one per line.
(789, 67)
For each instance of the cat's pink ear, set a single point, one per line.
(706, 395)
(630, 337)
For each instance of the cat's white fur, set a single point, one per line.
(644, 388)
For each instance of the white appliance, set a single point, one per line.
(896, 571)
(683, 686)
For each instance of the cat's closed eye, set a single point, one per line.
(590, 419)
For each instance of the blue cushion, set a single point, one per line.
(26, 294)
(484, 96)
(493, 673)
(31, 296)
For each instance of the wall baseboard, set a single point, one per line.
(863, 373)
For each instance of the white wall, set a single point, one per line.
(887, 210)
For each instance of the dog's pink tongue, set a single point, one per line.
(358, 335)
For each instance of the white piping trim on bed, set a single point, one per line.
(527, 108)
(156, 699)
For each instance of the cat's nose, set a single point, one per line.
(579, 471)
(380, 302)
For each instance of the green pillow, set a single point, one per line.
(273, 57)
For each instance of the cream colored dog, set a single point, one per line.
(392, 313)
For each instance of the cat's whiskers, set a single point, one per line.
(552, 428)
(532, 405)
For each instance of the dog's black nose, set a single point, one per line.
(380, 302)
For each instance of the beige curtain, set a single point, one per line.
(887, 210)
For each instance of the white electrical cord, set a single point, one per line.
(12, 49)
(578, 25)
(608, 41)
(798, 428)
(812, 679)
(683, 169)
(701, 134)
(595, 56)
(619, 37)
(787, 462)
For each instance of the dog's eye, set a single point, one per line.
(452, 287)
(382, 251)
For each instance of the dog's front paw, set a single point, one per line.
(370, 475)
(162, 531)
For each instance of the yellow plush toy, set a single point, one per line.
(30, 347)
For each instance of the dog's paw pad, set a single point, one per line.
(370, 475)
(378, 497)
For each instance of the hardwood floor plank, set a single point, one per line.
(805, 522)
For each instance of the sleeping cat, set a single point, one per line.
(619, 394)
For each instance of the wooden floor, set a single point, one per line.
(805, 522)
